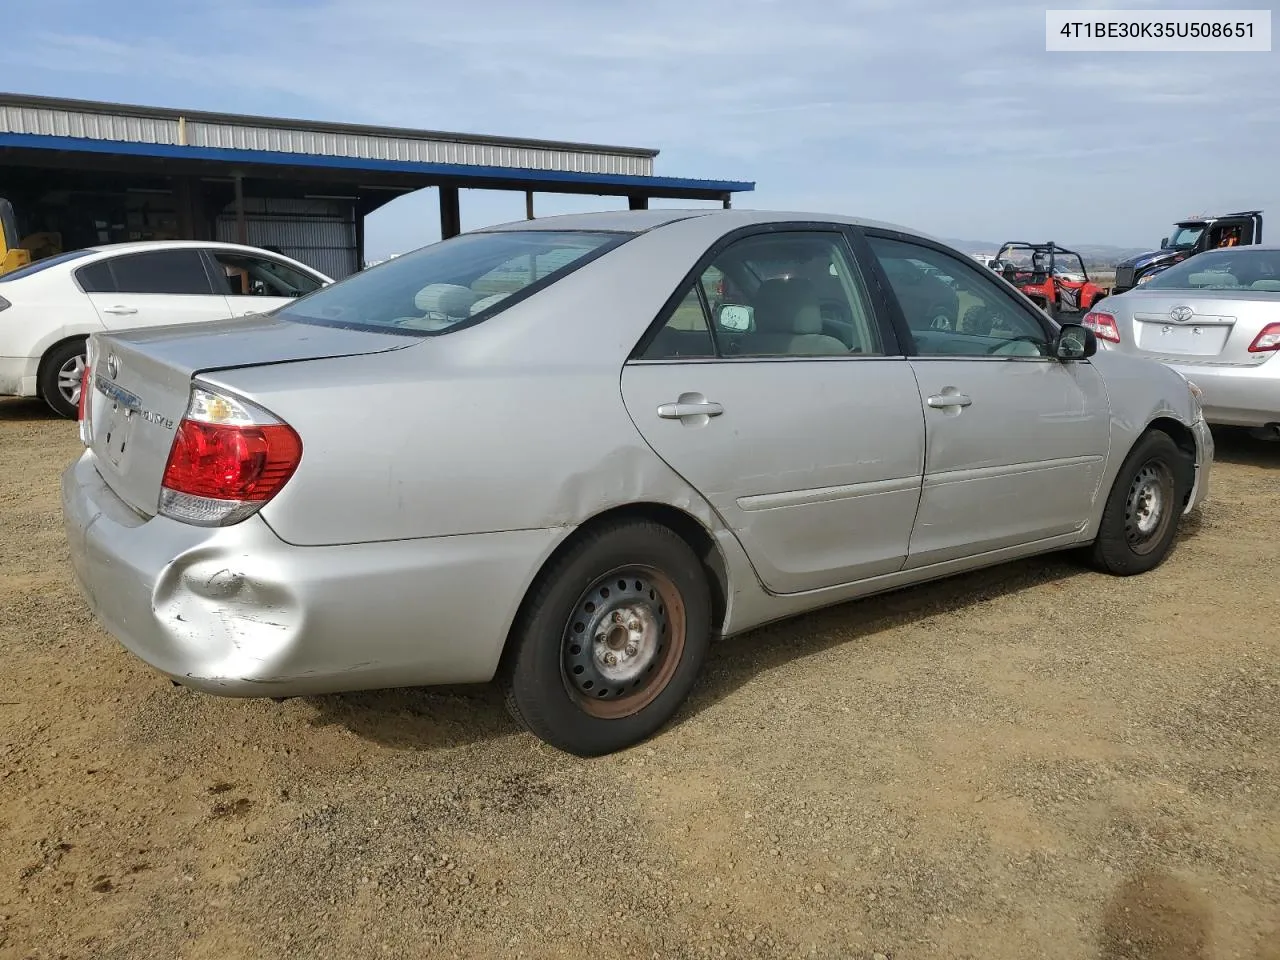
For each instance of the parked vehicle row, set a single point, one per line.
(567, 453)
(1215, 318)
(49, 307)
(1190, 237)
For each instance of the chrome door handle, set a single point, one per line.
(675, 411)
(120, 311)
(943, 400)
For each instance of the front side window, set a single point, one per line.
(249, 276)
(173, 272)
(1245, 269)
(784, 294)
(954, 308)
(451, 283)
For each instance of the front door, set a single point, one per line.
(152, 288)
(1016, 440)
(774, 390)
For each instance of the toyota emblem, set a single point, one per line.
(1180, 314)
(113, 366)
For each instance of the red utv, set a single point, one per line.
(1052, 276)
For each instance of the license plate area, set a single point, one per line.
(119, 414)
(1183, 339)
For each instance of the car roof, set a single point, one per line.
(639, 221)
(135, 245)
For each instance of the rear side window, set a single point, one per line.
(96, 278)
(174, 272)
(454, 283)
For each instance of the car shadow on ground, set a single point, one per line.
(26, 411)
(437, 718)
(733, 662)
(450, 717)
(1237, 445)
(426, 719)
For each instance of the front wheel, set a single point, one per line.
(1140, 519)
(60, 376)
(611, 640)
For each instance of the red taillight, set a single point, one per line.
(1103, 325)
(85, 380)
(1267, 340)
(228, 459)
(231, 462)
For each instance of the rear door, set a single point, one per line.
(1016, 440)
(772, 385)
(151, 288)
(257, 284)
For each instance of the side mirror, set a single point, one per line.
(1164, 243)
(735, 317)
(1075, 342)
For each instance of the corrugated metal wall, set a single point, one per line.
(319, 233)
(131, 129)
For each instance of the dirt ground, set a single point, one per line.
(1033, 761)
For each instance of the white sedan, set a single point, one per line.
(49, 308)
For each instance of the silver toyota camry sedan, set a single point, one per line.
(1215, 318)
(568, 453)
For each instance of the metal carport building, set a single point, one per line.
(82, 172)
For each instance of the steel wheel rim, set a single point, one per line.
(70, 374)
(636, 616)
(1148, 506)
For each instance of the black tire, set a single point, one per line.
(643, 573)
(1140, 519)
(57, 364)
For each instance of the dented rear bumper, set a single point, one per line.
(237, 611)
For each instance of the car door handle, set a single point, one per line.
(676, 411)
(120, 310)
(943, 400)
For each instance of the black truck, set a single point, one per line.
(1190, 236)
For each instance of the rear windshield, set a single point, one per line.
(1257, 271)
(44, 264)
(455, 283)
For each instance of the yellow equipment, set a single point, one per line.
(17, 251)
(12, 254)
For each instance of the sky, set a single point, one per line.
(946, 116)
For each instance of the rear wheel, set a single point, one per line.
(59, 379)
(1140, 520)
(611, 640)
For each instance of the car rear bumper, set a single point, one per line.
(18, 376)
(1236, 396)
(238, 612)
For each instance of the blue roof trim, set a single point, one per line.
(277, 158)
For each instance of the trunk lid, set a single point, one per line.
(142, 383)
(1194, 326)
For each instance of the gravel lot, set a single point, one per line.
(1034, 761)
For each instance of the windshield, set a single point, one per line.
(44, 264)
(1254, 270)
(1185, 237)
(454, 283)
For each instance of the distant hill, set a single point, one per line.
(1094, 254)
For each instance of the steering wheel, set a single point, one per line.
(1002, 345)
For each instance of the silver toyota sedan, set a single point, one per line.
(1215, 318)
(568, 453)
